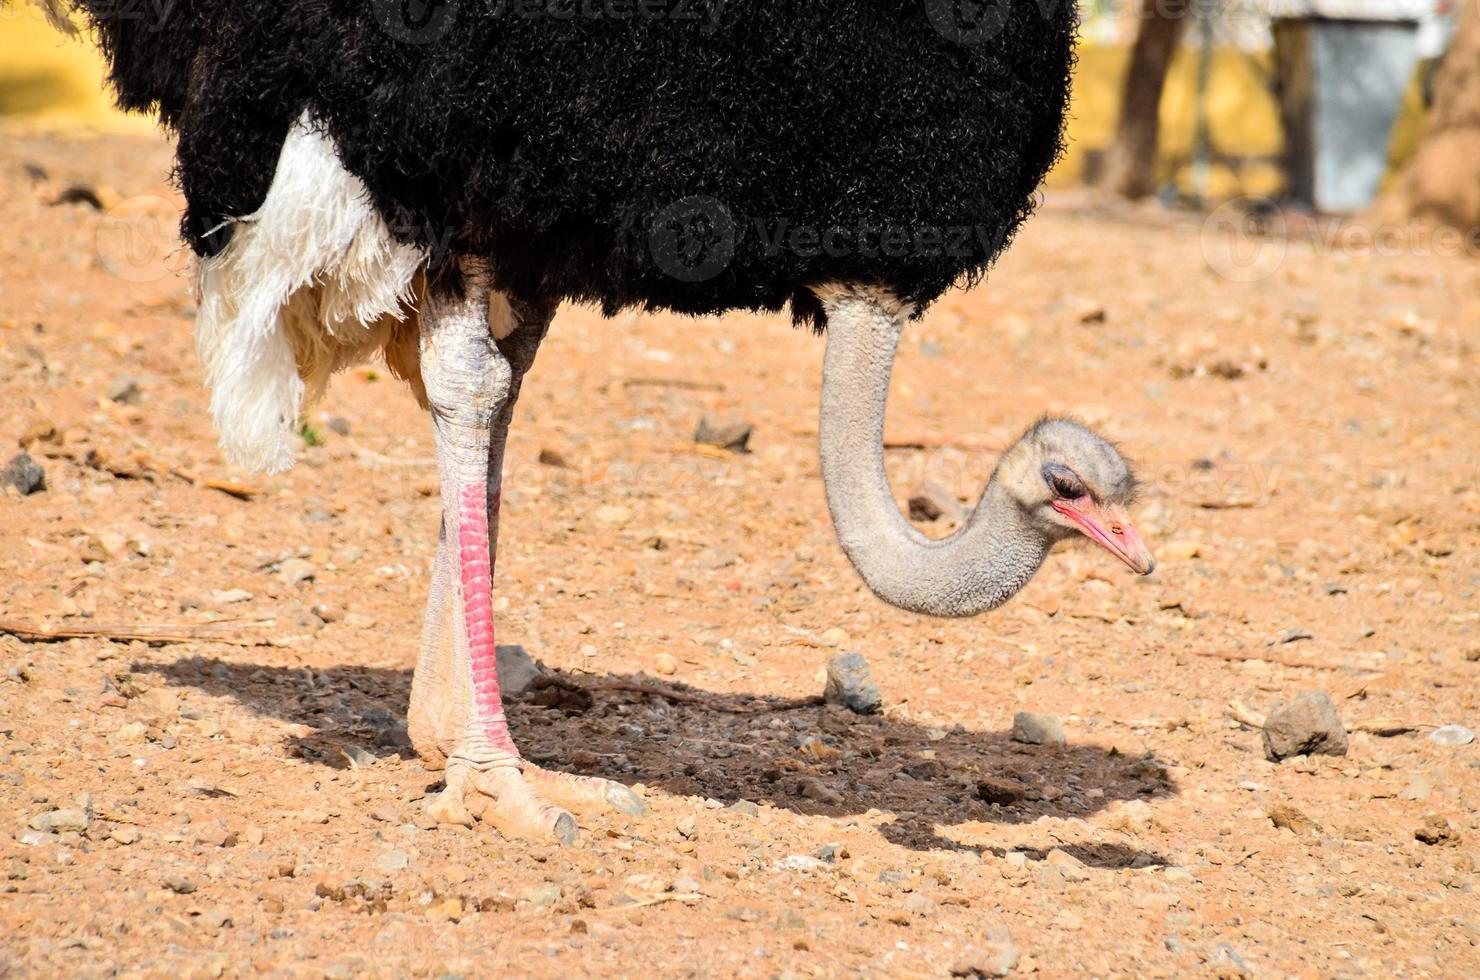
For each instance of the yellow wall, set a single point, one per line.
(48, 80)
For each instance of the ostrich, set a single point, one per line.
(358, 181)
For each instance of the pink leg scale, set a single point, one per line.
(477, 585)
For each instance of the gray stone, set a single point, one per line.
(850, 684)
(1309, 725)
(930, 501)
(997, 957)
(1035, 729)
(125, 390)
(58, 821)
(390, 862)
(517, 670)
(1451, 735)
(732, 434)
(743, 807)
(23, 473)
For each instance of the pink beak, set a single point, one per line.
(1110, 529)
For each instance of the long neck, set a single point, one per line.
(979, 567)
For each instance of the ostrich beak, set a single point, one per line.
(1111, 529)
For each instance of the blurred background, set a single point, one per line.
(1320, 105)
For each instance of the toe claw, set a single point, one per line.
(566, 830)
(625, 801)
(447, 807)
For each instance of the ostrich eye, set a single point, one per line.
(1063, 482)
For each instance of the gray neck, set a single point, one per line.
(979, 567)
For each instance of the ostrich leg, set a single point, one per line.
(474, 354)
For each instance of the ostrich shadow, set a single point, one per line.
(815, 760)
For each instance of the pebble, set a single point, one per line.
(541, 895)
(1307, 726)
(997, 957)
(24, 474)
(225, 597)
(613, 515)
(815, 789)
(732, 434)
(850, 684)
(389, 862)
(930, 501)
(1287, 817)
(1069, 867)
(1003, 792)
(517, 670)
(179, 885)
(60, 821)
(743, 807)
(125, 835)
(1035, 729)
(919, 904)
(802, 862)
(1418, 789)
(665, 664)
(36, 838)
(296, 571)
(125, 390)
(1451, 735)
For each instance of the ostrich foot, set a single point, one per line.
(583, 793)
(497, 792)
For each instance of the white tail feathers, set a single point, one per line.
(310, 284)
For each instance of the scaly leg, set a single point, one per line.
(474, 355)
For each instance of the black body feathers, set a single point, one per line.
(693, 155)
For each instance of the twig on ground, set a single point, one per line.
(183, 633)
(383, 460)
(655, 900)
(240, 491)
(938, 442)
(1281, 661)
(654, 382)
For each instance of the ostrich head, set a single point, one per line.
(1058, 481)
(1069, 480)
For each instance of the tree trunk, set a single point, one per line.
(1441, 184)
(1130, 163)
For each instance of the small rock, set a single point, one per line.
(36, 838)
(1307, 726)
(1226, 962)
(832, 853)
(1418, 789)
(613, 515)
(1069, 867)
(1287, 817)
(1451, 735)
(664, 664)
(338, 425)
(296, 571)
(60, 821)
(179, 885)
(1003, 792)
(553, 457)
(815, 789)
(930, 501)
(1436, 831)
(24, 474)
(389, 862)
(998, 957)
(802, 862)
(919, 904)
(1035, 729)
(125, 390)
(744, 808)
(225, 597)
(359, 757)
(541, 895)
(125, 835)
(517, 670)
(850, 684)
(732, 434)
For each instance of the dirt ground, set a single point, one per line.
(1304, 414)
